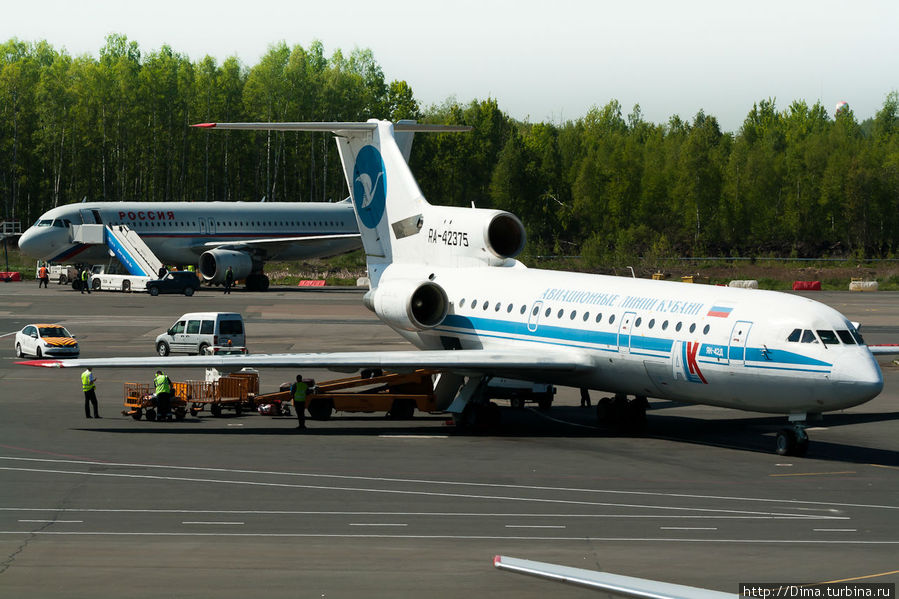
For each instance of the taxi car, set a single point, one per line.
(41, 340)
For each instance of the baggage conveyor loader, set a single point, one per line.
(371, 391)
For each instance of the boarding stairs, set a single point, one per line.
(137, 258)
(10, 228)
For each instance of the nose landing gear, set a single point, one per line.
(794, 441)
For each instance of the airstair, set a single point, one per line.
(124, 243)
(10, 228)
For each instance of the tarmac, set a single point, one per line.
(363, 506)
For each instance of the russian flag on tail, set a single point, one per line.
(720, 311)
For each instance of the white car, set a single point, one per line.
(41, 340)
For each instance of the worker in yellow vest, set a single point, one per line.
(89, 385)
(163, 395)
(298, 394)
(85, 281)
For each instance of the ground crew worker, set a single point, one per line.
(89, 385)
(298, 393)
(44, 276)
(229, 280)
(191, 268)
(585, 397)
(163, 394)
(85, 281)
(163, 271)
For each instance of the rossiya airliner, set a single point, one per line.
(214, 235)
(446, 279)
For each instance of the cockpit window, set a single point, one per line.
(45, 222)
(846, 337)
(828, 337)
(858, 336)
(808, 337)
(58, 223)
(794, 336)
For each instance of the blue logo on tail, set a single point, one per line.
(369, 186)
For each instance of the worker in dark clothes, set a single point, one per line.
(89, 386)
(163, 395)
(585, 397)
(229, 280)
(298, 394)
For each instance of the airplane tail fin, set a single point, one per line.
(374, 156)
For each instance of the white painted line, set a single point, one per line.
(235, 425)
(8, 334)
(414, 436)
(287, 535)
(566, 490)
(835, 529)
(530, 526)
(56, 521)
(686, 528)
(438, 514)
(375, 524)
(784, 465)
(217, 523)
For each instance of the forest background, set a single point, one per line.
(796, 182)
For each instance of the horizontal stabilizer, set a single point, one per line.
(336, 127)
(621, 586)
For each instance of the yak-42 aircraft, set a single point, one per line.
(446, 279)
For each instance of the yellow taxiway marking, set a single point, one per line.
(884, 466)
(858, 578)
(814, 473)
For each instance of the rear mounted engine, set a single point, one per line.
(409, 305)
(470, 236)
(214, 265)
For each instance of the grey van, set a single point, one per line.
(194, 332)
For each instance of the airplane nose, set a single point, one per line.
(858, 377)
(28, 243)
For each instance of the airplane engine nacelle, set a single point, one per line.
(214, 264)
(493, 236)
(408, 305)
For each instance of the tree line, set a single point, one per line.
(792, 182)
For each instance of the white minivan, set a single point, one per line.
(194, 332)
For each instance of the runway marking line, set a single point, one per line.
(685, 528)
(216, 523)
(835, 529)
(532, 526)
(450, 483)
(884, 466)
(405, 492)
(815, 473)
(55, 521)
(857, 578)
(413, 436)
(375, 524)
(460, 537)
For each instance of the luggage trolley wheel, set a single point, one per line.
(151, 414)
(137, 414)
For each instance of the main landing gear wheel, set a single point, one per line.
(792, 441)
(621, 414)
(257, 282)
(478, 418)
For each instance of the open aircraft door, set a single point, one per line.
(736, 351)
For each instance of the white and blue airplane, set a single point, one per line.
(446, 279)
(214, 235)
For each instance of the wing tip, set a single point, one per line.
(41, 363)
(205, 125)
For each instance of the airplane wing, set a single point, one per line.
(622, 586)
(276, 240)
(884, 349)
(466, 362)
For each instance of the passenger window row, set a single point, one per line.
(572, 315)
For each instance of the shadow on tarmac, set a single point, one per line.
(754, 434)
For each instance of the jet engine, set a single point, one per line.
(214, 264)
(407, 304)
(491, 236)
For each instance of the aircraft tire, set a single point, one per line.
(786, 442)
(263, 283)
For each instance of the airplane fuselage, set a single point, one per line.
(750, 350)
(179, 232)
